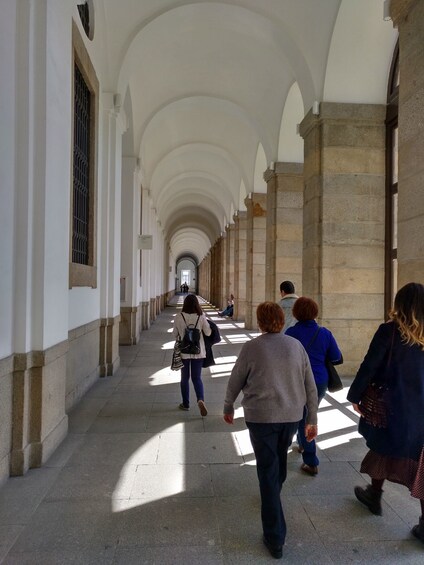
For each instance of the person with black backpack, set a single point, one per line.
(189, 327)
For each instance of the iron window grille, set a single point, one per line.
(81, 176)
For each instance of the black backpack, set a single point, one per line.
(190, 344)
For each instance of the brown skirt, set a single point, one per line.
(406, 472)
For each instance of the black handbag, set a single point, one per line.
(334, 381)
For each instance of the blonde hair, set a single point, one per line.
(408, 313)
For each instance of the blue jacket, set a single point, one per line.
(324, 345)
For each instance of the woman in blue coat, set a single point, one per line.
(320, 344)
(395, 360)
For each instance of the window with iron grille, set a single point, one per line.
(81, 188)
(83, 197)
(84, 13)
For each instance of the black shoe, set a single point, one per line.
(371, 498)
(275, 551)
(182, 407)
(418, 530)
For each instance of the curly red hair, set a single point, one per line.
(305, 309)
(270, 317)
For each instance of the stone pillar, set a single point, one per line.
(229, 280)
(129, 329)
(37, 213)
(240, 225)
(215, 274)
(255, 255)
(113, 128)
(224, 269)
(145, 258)
(343, 222)
(284, 228)
(408, 18)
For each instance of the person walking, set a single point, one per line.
(192, 316)
(394, 364)
(274, 373)
(320, 344)
(288, 299)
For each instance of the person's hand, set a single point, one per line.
(229, 418)
(311, 432)
(356, 408)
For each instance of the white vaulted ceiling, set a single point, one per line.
(213, 92)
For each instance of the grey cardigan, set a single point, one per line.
(275, 375)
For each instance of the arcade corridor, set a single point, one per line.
(137, 481)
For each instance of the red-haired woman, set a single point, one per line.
(275, 375)
(320, 344)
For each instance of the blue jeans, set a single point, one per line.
(309, 454)
(270, 443)
(192, 368)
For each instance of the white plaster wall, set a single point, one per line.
(83, 306)
(290, 146)
(129, 221)
(360, 54)
(7, 183)
(57, 172)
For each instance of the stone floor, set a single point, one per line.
(138, 481)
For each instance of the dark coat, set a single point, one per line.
(404, 375)
(210, 340)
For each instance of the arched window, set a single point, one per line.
(392, 147)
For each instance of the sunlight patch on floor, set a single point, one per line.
(338, 440)
(242, 443)
(238, 338)
(164, 377)
(332, 420)
(221, 370)
(150, 482)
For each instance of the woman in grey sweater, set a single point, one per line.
(276, 378)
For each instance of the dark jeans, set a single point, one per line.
(309, 454)
(192, 368)
(270, 443)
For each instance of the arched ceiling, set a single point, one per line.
(213, 92)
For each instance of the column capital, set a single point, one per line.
(399, 10)
(343, 113)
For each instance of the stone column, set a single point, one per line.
(229, 281)
(113, 128)
(255, 255)
(129, 329)
(408, 17)
(284, 228)
(240, 225)
(224, 269)
(216, 275)
(145, 258)
(36, 210)
(343, 222)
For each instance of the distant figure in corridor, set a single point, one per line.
(319, 344)
(276, 378)
(229, 310)
(192, 316)
(288, 298)
(395, 363)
